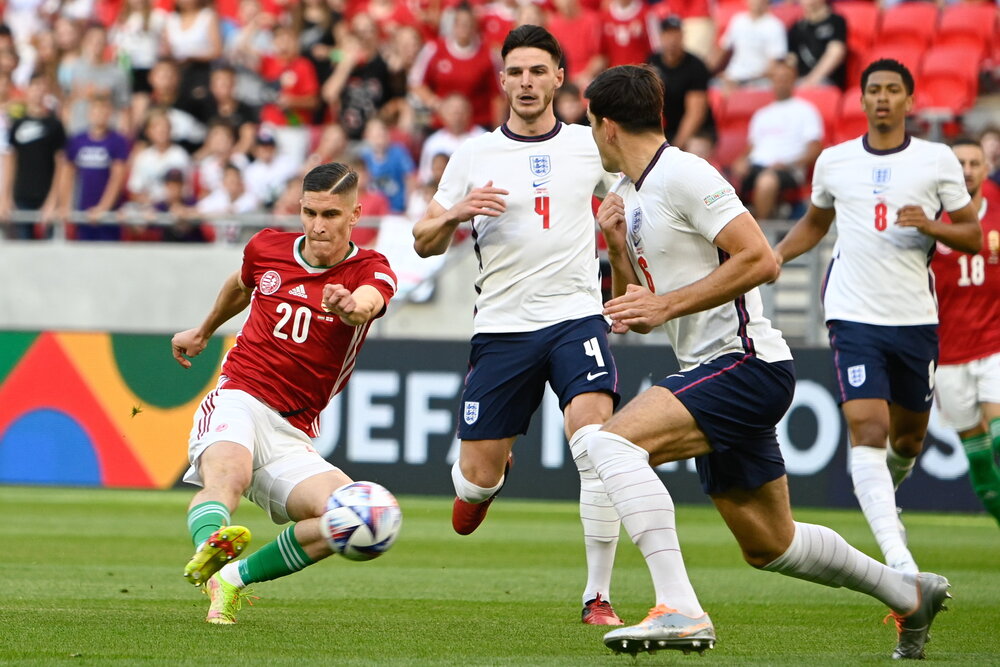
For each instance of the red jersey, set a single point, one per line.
(295, 77)
(625, 36)
(291, 354)
(446, 68)
(580, 38)
(968, 291)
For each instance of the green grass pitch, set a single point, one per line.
(93, 577)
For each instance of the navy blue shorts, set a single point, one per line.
(737, 400)
(895, 364)
(508, 372)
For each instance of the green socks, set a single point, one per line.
(275, 559)
(206, 518)
(983, 472)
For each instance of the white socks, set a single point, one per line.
(468, 491)
(601, 525)
(647, 512)
(820, 555)
(874, 489)
(899, 466)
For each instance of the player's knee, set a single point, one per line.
(909, 445)
(869, 433)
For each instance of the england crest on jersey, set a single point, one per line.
(880, 179)
(856, 375)
(541, 165)
(471, 415)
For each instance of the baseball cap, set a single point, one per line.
(175, 175)
(670, 22)
(266, 138)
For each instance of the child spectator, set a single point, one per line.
(185, 225)
(389, 163)
(267, 175)
(214, 155)
(150, 164)
(95, 173)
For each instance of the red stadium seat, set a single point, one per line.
(826, 99)
(731, 144)
(910, 24)
(908, 56)
(949, 79)
(741, 105)
(968, 25)
(851, 120)
(787, 12)
(862, 23)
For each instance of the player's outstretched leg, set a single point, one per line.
(664, 628)
(222, 546)
(914, 627)
(601, 527)
(467, 516)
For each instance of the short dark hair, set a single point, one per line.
(532, 36)
(967, 141)
(335, 178)
(888, 65)
(630, 95)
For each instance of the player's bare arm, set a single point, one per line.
(751, 263)
(233, 298)
(611, 220)
(804, 234)
(433, 233)
(353, 308)
(963, 234)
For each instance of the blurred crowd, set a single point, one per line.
(140, 120)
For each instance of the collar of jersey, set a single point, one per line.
(652, 163)
(888, 151)
(318, 269)
(510, 134)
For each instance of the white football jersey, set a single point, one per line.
(673, 215)
(880, 273)
(538, 261)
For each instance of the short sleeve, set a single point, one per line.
(379, 275)
(777, 44)
(951, 181)
(812, 126)
(839, 25)
(120, 149)
(699, 74)
(250, 261)
(455, 181)
(709, 200)
(821, 195)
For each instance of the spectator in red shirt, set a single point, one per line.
(625, 33)
(458, 63)
(294, 78)
(578, 31)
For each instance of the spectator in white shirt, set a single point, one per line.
(267, 175)
(456, 117)
(754, 41)
(150, 164)
(784, 140)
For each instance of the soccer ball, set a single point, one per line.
(362, 520)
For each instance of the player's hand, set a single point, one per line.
(611, 220)
(914, 216)
(637, 310)
(338, 300)
(486, 200)
(187, 345)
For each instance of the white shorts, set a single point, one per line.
(959, 389)
(283, 456)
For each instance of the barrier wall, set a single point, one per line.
(114, 410)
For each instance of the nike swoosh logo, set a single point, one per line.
(929, 396)
(691, 630)
(878, 191)
(536, 184)
(594, 376)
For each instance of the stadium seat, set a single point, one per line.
(851, 119)
(741, 105)
(787, 12)
(908, 25)
(826, 99)
(862, 23)
(968, 25)
(731, 144)
(911, 57)
(949, 79)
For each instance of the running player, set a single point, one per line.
(686, 255)
(312, 299)
(526, 189)
(884, 188)
(967, 389)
